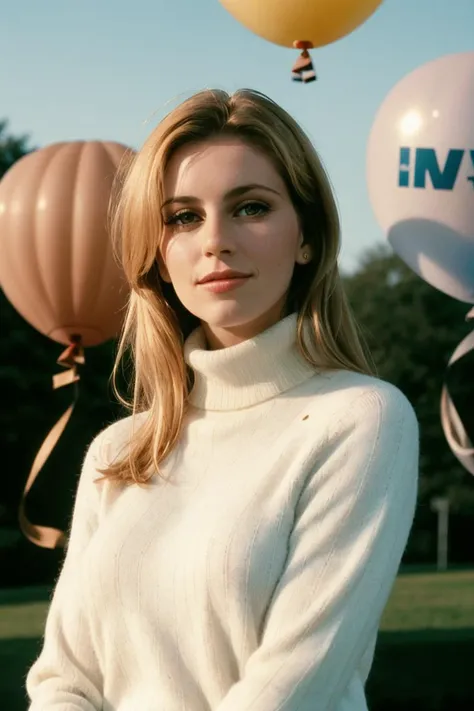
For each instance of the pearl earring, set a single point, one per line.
(305, 257)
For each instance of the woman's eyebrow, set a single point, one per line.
(235, 192)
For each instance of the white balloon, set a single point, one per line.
(420, 172)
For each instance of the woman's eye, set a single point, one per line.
(253, 209)
(185, 217)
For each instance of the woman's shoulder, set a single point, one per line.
(357, 395)
(113, 439)
(370, 416)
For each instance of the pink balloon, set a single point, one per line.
(56, 262)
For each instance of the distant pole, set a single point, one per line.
(441, 506)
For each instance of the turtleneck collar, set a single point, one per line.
(251, 372)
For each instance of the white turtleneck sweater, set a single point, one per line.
(253, 578)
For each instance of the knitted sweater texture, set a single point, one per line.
(253, 574)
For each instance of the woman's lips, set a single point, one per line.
(220, 286)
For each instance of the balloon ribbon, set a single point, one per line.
(44, 536)
(303, 69)
(454, 429)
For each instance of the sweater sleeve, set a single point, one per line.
(351, 526)
(66, 675)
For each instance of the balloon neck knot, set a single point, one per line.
(303, 70)
(303, 44)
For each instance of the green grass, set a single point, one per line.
(423, 659)
(431, 601)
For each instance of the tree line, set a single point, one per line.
(410, 328)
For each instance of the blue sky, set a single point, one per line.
(109, 69)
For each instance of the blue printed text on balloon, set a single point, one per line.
(426, 163)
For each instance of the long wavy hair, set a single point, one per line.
(156, 323)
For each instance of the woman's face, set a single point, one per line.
(227, 208)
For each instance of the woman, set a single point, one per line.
(234, 542)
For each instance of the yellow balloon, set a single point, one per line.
(285, 22)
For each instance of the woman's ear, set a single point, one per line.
(305, 254)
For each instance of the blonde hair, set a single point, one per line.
(156, 323)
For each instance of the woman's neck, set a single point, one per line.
(249, 372)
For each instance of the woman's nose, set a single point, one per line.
(216, 237)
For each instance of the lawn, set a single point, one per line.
(423, 659)
(431, 601)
